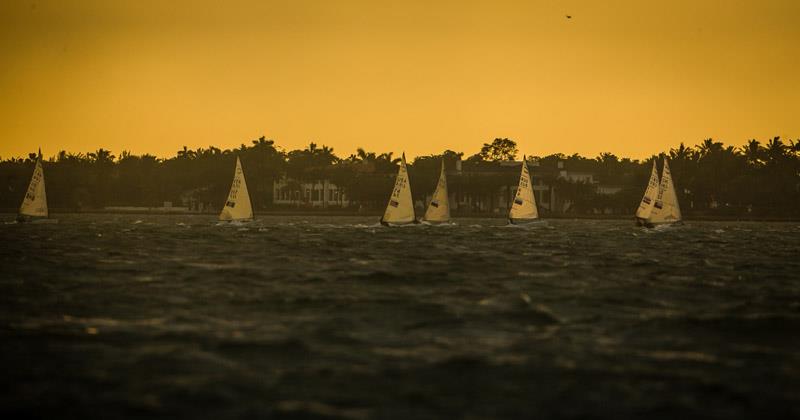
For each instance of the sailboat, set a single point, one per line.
(34, 205)
(523, 209)
(665, 208)
(237, 207)
(439, 208)
(649, 198)
(400, 210)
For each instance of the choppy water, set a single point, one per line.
(309, 317)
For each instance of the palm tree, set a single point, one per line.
(776, 150)
(364, 156)
(101, 156)
(709, 147)
(262, 142)
(388, 158)
(682, 153)
(185, 153)
(607, 158)
(753, 152)
(794, 146)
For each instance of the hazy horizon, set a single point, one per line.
(625, 77)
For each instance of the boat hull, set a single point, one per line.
(410, 222)
(650, 225)
(235, 221)
(436, 222)
(34, 219)
(512, 221)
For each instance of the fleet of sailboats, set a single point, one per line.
(439, 208)
(238, 206)
(659, 204)
(523, 209)
(34, 204)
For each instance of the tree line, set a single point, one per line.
(757, 178)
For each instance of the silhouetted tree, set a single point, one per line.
(499, 149)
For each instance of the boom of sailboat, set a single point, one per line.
(659, 204)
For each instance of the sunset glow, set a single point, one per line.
(629, 77)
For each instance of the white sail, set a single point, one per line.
(439, 207)
(649, 198)
(238, 206)
(524, 205)
(400, 209)
(666, 208)
(35, 202)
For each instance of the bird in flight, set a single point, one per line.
(569, 16)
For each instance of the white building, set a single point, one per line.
(308, 194)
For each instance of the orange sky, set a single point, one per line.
(630, 77)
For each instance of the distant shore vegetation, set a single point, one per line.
(758, 178)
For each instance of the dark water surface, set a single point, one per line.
(109, 316)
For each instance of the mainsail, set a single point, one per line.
(524, 206)
(238, 206)
(439, 207)
(649, 198)
(400, 209)
(35, 202)
(666, 208)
